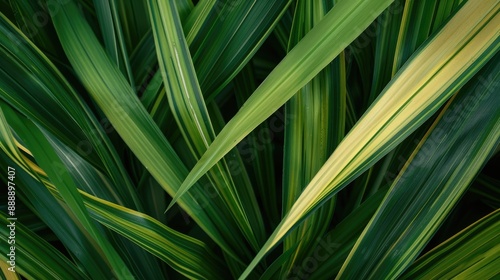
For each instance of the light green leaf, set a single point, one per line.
(473, 253)
(439, 171)
(191, 113)
(225, 35)
(315, 124)
(186, 255)
(117, 100)
(318, 48)
(426, 82)
(39, 200)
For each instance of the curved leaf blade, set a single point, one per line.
(440, 68)
(318, 48)
(432, 182)
(114, 96)
(35, 257)
(51, 163)
(473, 253)
(188, 256)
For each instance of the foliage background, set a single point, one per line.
(278, 139)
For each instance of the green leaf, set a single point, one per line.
(39, 200)
(186, 255)
(117, 100)
(132, 15)
(318, 48)
(473, 253)
(32, 85)
(425, 83)
(388, 25)
(311, 137)
(257, 149)
(434, 178)
(192, 116)
(33, 19)
(443, 11)
(109, 22)
(296, 120)
(183, 253)
(334, 247)
(414, 30)
(35, 258)
(51, 164)
(227, 35)
(178, 74)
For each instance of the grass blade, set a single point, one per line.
(50, 163)
(37, 198)
(428, 190)
(425, 83)
(231, 38)
(32, 19)
(311, 138)
(473, 253)
(112, 34)
(257, 150)
(192, 117)
(302, 64)
(50, 264)
(117, 100)
(47, 99)
(184, 254)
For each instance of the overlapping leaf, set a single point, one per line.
(51, 164)
(35, 257)
(425, 83)
(435, 177)
(118, 101)
(474, 253)
(318, 48)
(223, 46)
(31, 84)
(104, 124)
(192, 117)
(179, 251)
(315, 124)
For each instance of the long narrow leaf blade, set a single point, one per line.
(454, 152)
(49, 264)
(191, 114)
(315, 126)
(473, 253)
(318, 48)
(187, 255)
(117, 100)
(425, 83)
(32, 85)
(50, 163)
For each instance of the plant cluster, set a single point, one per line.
(263, 139)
